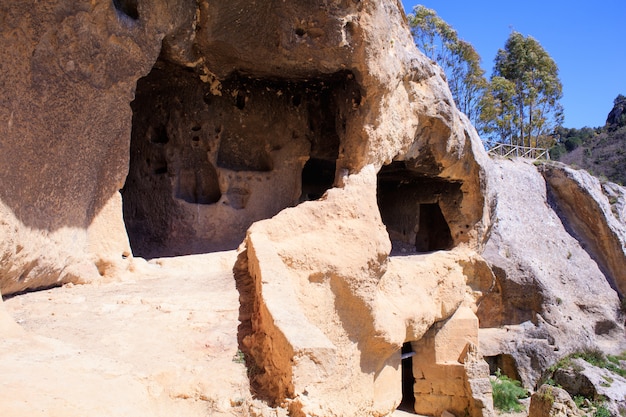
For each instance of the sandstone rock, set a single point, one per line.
(550, 297)
(162, 344)
(209, 156)
(617, 198)
(450, 376)
(68, 74)
(235, 120)
(165, 129)
(355, 319)
(551, 401)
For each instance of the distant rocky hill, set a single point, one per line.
(143, 141)
(600, 151)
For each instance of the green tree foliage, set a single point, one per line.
(458, 58)
(599, 150)
(497, 122)
(568, 139)
(526, 107)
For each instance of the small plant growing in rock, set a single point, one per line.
(580, 401)
(592, 356)
(552, 382)
(597, 358)
(507, 393)
(602, 411)
(592, 407)
(239, 357)
(548, 397)
(607, 381)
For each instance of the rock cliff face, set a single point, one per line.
(314, 133)
(550, 296)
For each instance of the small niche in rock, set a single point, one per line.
(318, 175)
(408, 380)
(433, 232)
(505, 364)
(416, 209)
(198, 184)
(127, 8)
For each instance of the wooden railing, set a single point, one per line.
(507, 151)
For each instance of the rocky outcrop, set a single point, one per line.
(550, 297)
(585, 210)
(69, 72)
(580, 378)
(239, 111)
(317, 312)
(551, 401)
(209, 153)
(315, 133)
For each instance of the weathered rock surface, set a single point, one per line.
(162, 344)
(317, 312)
(582, 203)
(550, 297)
(587, 380)
(551, 401)
(137, 127)
(68, 74)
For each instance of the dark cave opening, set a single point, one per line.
(417, 209)
(318, 175)
(127, 8)
(433, 232)
(205, 164)
(505, 364)
(408, 380)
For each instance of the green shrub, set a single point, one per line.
(597, 358)
(593, 356)
(579, 400)
(507, 392)
(602, 411)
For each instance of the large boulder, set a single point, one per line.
(551, 401)
(580, 378)
(551, 298)
(315, 133)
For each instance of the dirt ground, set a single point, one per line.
(161, 344)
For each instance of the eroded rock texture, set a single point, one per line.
(315, 133)
(69, 70)
(550, 296)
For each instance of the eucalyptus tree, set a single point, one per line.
(534, 90)
(458, 58)
(498, 117)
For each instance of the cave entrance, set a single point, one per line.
(433, 232)
(318, 176)
(417, 209)
(408, 380)
(504, 363)
(207, 162)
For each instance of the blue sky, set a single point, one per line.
(586, 40)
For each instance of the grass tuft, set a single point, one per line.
(507, 393)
